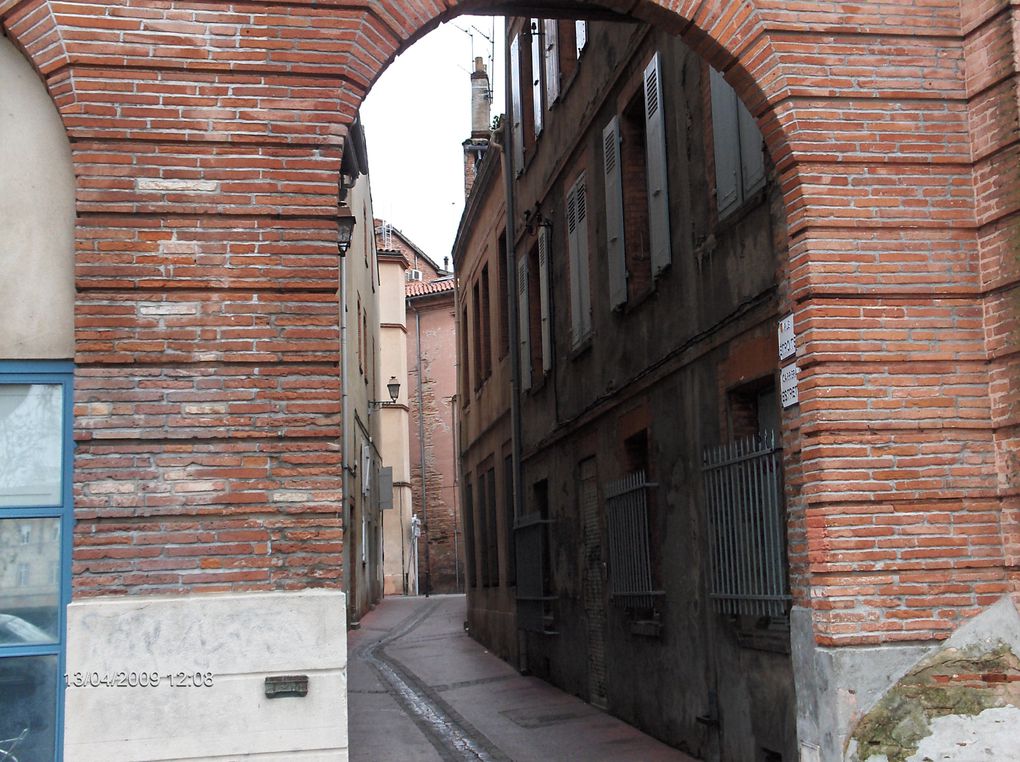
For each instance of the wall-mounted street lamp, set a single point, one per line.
(344, 230)
(393, 387)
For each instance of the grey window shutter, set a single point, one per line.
(552, 60)
(584, 278)
(581, 35)
(615, 250)
(536, 75)
(544, 297)
(752, 161)
(524, 321)
(727, 144)
(386, 488)
(517, 104)
(573, 258)
(366, 468)
(658, 190)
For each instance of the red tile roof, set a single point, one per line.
(421, 288)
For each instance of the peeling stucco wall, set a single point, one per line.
(960, 702)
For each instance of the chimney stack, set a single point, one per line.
(481, 120)
(481, 124)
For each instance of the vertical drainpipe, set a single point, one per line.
(344, 407)
(512, 290)
(421, 453)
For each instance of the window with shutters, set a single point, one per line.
(510, 517)
(524, 321)
(517, 104)
(465, 364)
(545, 298)
(529, 312)
(483, 530)
(470, 570)
(491, 529)
(577, 254)
(504, 298)
(637, 199)
(551, 60)
(537, 96)
(476, 334)
(486, 326)
(634, 180)
(737, 148)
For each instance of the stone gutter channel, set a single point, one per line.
(453, 737)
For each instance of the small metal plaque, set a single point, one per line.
(787, 338)
(281, 686)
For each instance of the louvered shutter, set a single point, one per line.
(615, 251)
(366, 468)
(658, 188)
(581, 35)
(516, 104)
(386, 488)
(536, 75)
(752, 161)
(584, 278)
(552, 60)
(574, 262)
(727, 144)
(524, 321)
(544, 297)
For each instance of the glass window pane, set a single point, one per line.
(28, 707)
(31, 443)
(29, 581)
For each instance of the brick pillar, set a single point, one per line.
(992, 46)
(207, 141)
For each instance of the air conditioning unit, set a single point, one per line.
(413, 275)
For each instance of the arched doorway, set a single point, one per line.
(233, 120)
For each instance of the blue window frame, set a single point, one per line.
(36, 520)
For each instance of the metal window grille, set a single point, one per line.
(744, 487)
(630, 562)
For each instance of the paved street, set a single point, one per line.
(421, 689)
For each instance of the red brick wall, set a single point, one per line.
(893, 126)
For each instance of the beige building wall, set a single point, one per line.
(36, 218)
(400, 567)
(362, 428)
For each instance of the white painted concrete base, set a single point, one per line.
(241, 639)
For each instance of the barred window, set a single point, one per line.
(744, 490)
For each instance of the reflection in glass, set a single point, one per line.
(28, 696)
(30, 444)
(29, 589)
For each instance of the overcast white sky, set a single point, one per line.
(416, 118)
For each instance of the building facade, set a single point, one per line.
(198, 186)
(649, 563)
(424, 537)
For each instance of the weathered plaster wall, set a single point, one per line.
(36, 218)
(960, 702)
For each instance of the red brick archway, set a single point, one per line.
(207, 138)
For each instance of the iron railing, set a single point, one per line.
(744, 487)
(630, 561)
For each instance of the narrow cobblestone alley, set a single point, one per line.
(421, 689)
